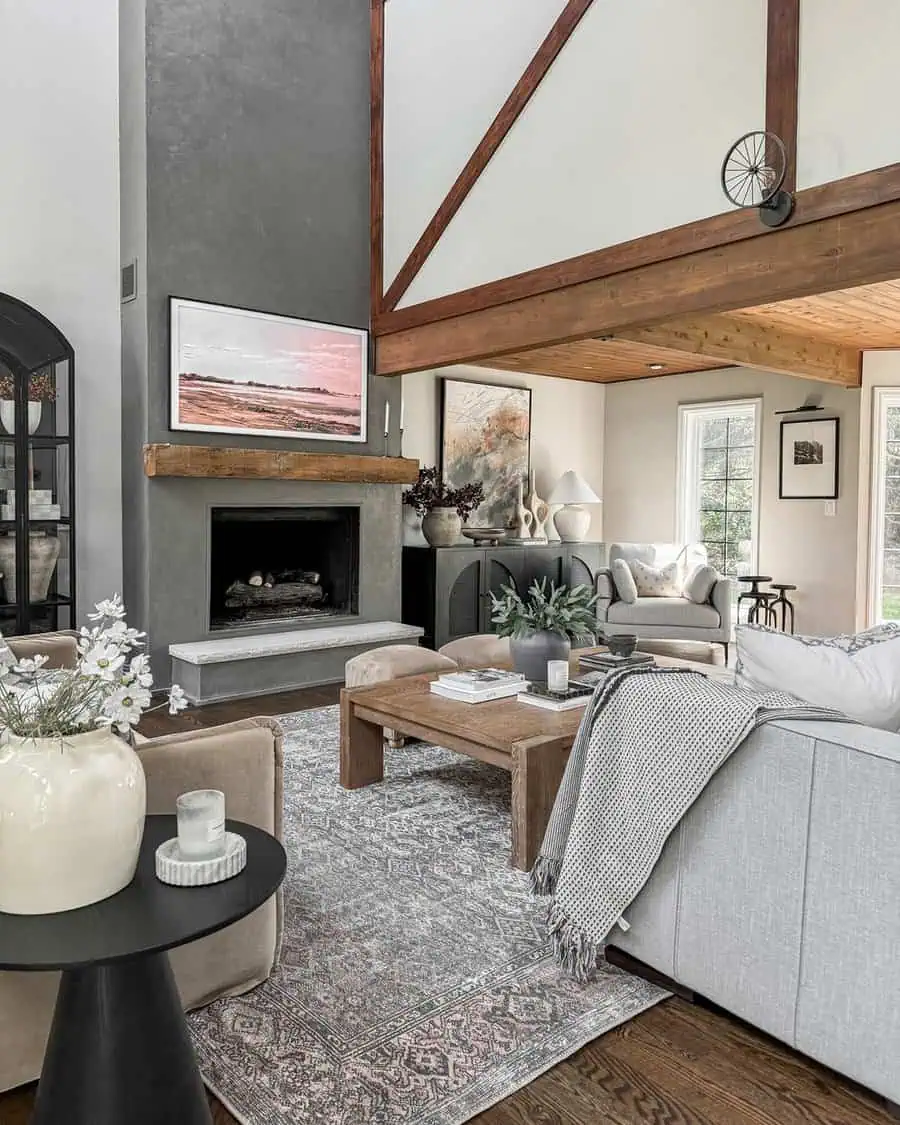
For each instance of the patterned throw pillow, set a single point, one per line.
(653, 582)
(857, 673)
(624, 581)
(698, 586)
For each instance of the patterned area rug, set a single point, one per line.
(415, 984)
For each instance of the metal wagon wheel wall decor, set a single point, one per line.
(753, 173)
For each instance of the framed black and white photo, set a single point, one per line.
(235, 371)
(808, 463)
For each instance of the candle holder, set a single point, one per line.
(558, 676)
(201, 824)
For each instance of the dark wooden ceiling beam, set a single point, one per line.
(499, 128)
(376, 158)
(852, 193)
(795, 261)
(753, 344)
(782, 79)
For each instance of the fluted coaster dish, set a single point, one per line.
(178, 872)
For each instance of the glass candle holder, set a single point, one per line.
(558, 675)
(201, 824)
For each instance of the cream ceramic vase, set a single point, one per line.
(8, 415)
(442, 527)
(71, 820)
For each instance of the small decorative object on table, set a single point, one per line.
(485, 536)
(572, 522)
(621, 644)
(540, 511)
(542, 626)
(203, 852)
(558, 675)
(72, 789)
(524, 518)
(444, 510)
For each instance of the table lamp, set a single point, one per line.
(572, 522)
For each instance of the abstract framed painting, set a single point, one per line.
(809, 458)
(486, 436)
(235, 371)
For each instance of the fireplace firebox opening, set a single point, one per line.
(282, 564)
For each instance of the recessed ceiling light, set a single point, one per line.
(657, 366)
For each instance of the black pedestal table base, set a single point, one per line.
(119, 1051)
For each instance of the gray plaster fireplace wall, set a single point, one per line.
(245, 170)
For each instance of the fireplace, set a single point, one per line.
(282, 564)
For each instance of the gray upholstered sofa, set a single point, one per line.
(669, 618)
(778, 896)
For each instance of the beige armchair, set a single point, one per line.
(244, 759)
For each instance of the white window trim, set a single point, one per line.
(882, 397)
(688, 461)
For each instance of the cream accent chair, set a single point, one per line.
(664, 618)
(244, 759)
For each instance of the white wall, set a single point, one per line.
(798, 542)
(449, 67)
(849, 87)
(625, 136)
(566, 426)
(59, 247)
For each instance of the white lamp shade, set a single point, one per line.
(572, 488)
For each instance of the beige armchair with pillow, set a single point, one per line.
(244, 759)
(664, 590)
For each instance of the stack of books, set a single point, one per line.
(40, 505)
(480, 685)
(606, 662)
(538, 696)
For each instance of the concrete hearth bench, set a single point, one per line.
(239, 666)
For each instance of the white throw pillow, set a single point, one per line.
(858, 674)
(656, 582)
(698, 586)
(624, 581)
(7, 656)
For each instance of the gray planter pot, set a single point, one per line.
(530, 654)
(442, 527)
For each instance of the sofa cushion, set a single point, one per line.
(626, 590)
(858, 674)
(664, 611)
(698, 586)
(657, 582)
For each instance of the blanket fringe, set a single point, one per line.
(573, 950)
(544, 876)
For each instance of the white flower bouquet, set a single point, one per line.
(110, 686)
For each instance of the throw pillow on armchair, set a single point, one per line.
(623, 579)
(656, 582)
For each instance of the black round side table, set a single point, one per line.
(119, 1049)
(756, 597)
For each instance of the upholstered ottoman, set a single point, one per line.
(701, 652)
(390, 663)
(482, 651)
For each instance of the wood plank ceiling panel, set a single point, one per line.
(602, 361)
(867, 316)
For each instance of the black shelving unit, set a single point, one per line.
(37, 472)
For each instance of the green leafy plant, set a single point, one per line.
(567, 611)
(430, 492)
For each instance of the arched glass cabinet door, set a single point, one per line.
(37, 472)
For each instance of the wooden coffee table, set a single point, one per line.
(532, 744)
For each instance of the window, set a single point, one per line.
(884, 568)
(718, 487)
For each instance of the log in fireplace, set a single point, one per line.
(273, 564)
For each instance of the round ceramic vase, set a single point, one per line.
(8, 415)
(71, 820)
(442, 527)
(530, 655)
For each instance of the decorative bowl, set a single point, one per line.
(623, 644)
(488, 536)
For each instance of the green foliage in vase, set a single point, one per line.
(430, 492)
(569, 612)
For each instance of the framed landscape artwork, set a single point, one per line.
(233, 371)
(808, 463)
(486, 436)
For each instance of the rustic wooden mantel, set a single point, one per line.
(169, 460)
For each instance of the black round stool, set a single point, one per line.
(787, 606)
(756, 598)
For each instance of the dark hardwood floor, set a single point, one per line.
(678, 1064)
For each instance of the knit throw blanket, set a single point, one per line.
(649, 742)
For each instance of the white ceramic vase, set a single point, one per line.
(442, 527)
(71, 820)
(8, 415)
